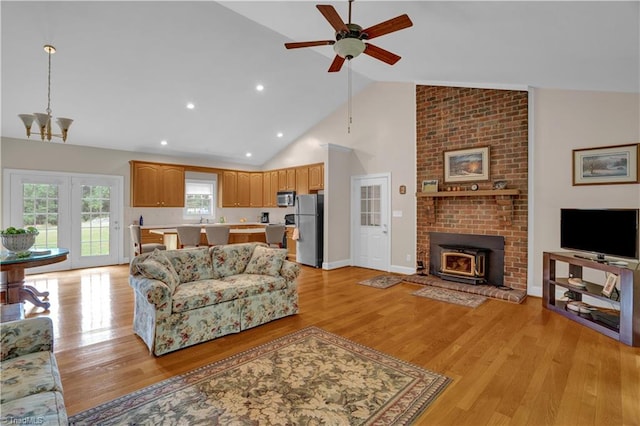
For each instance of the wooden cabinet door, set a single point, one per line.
(267, 199)
(291, 180)
(156, 185)
(302, 180)
(274, 188)
(229, 188)
(243, 194)
(256, 190)
(172, 194)
(282, 180)
(145, 185)
(316, 177)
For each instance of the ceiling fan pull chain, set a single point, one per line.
(349, 102)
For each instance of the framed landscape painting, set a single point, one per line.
(606, 165)
(466, 165)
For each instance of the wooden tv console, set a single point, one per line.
(628, 303)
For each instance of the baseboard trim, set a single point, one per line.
(402, 270)
(335, 265)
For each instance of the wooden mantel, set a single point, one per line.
(504, 200)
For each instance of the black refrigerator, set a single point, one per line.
(310, 223)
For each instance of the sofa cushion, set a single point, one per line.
(266, 261)
(29, 374)
(191, 264)
(45, 408)
(198, 294)
(231, 259)
(158, 267)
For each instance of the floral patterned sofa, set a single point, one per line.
(189, 296)
(30, 385)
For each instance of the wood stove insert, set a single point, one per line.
(463, 264)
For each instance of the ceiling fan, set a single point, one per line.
(350, 37)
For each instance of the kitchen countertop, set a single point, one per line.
(165, 231)
(165, 226)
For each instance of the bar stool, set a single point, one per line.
(188, 236)
(217, 235)
(274, 235)
(138, 247)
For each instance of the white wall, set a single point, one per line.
(382, 139)
(566, 120)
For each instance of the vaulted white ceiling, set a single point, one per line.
(124, 71)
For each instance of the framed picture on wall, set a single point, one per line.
(606, 165)
(430, 185)
(466, 165)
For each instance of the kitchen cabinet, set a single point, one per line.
(147, 237)
(244, 189)
(236, 189)
(229, 188)
(302, 180)
(316, 177)
(269, 189)
(287, 180)
(267, 199)
(291, 244)
(255, 189)
(156, 185)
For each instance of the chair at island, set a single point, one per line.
(138, 247)
(217, 235)
(275, 235)
(188, 236)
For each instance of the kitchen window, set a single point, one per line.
(200, 199)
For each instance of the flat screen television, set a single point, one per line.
(604, 232)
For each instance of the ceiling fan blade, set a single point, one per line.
(297, 45)
(395, 24)
(336, 64)
(332, 16)
(381, 54)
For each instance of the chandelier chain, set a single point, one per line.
(48, 110)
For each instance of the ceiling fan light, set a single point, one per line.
(349, 48)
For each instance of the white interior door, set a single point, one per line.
(79, 212)
(370, 232)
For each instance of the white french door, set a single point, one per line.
(80, 212)
(370, 233)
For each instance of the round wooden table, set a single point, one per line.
(17, 291)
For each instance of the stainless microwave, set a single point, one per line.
(286, 198)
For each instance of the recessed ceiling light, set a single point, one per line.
(280, 134)
(248, 154)
(259, 87)
(163, 142)
(190, 105)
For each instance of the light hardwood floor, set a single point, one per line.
(510, 364)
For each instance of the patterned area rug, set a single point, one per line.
(382, 281)
(451, 296)
(307, 377)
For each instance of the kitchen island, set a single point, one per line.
(239, 233)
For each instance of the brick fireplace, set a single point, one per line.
(452, 118)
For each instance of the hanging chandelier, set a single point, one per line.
(44, 119)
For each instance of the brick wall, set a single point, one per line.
(451, 118)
